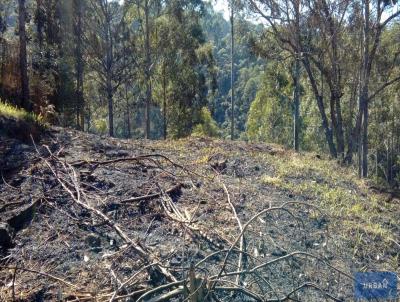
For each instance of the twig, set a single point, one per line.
(13, 282)
(305, 285)
(241, 245)
(296, 253)
(145, 255)
(280, 208)
(125, 283)
(7, 184)
(158, 289)
(152, 196)
(40, 273)
(4, 207)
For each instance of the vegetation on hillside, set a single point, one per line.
(318, 77)
(11, 111)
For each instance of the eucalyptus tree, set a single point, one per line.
(79, 12)
(375, 17)
(317, 32)
(5, 11)
(142, 15)
(23, 61)
(286, 23)
(105, 49)
(232, 11)
(185, 69)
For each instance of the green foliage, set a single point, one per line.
(207, 126)
(270, 115)
(100, 126)
(247, 73)
(9, 110)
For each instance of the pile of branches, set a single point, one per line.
(258, 264)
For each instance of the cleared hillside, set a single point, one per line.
(89, 218)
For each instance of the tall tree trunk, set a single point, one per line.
(366, 67)
(321, 108)
(109, 69)
(164, 102)
(110, 106)
(337, 121)
(109, 87)
(147, 71)
(128, 112)
(296, 114)
(3, 66)
(339, 130)
(79, 65)
(335, 81)
(23, 62)
(365, 143)
(232, 76)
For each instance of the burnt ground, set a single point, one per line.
(89, 218)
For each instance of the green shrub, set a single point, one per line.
(100, 126)
(207, 126)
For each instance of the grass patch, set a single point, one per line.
(334, 188)
(19, 124)
(11, 111)
(272, 181)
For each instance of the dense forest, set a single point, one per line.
(314, 75)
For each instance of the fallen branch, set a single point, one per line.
(270, 209)
(77, 198)
(171, 190)
(41, 274)
(241, 245)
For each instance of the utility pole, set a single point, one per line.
(232, 78)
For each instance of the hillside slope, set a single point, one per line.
(93, 218)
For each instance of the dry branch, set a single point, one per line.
(227, 270)
(171, 190)
(75, 194)
(241, 245)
